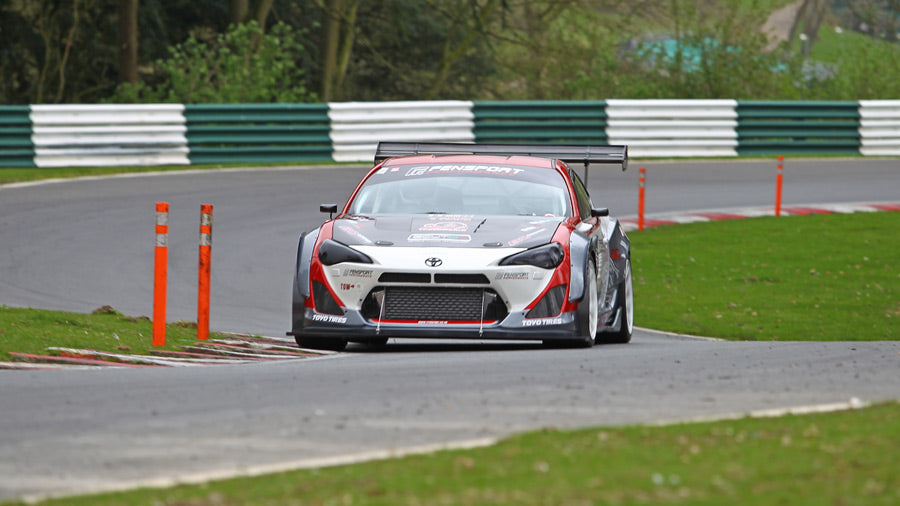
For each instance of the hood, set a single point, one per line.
(446, 230)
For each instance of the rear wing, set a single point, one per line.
(567, 153)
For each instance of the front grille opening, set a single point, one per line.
(414, 303)
(462, 279)
(405, 277)
(550, 304)
(325, 303)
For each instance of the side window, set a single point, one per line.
(584, 200)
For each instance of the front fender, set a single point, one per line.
(304, 259)
(579, 249)
(305, 247)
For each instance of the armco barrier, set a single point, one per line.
(16, 148)
(670, 128)
(879, 128)
(258, 133)
(162, 134)
(541, 122)
(110, 134)
(356, 127)
(792, 127)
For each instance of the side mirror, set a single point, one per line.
(599, 212)
(328, 208)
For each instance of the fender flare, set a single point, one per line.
(305, 248)
(579, 249)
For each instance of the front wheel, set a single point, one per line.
(625, 304)
(588, 313)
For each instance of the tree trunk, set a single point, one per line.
(345, 46)
(128, 41)
(261, 10)
(239, 9)
(331, 33)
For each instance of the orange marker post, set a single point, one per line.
(778, 182)
(641, 183)
(206, 212)
(160, 273)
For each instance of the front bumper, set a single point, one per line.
(353, 326)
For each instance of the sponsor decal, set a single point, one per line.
(451, 217)
(444, 226)
(523, 238)
(355, 233)
(432, 322)
(463, 169)
(540, 322)
(439, 238)
(358, 273)
(346, 287)
(328, 318)
(505, 276)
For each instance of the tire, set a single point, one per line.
(625, 302)
(321, 343)
(588, 313)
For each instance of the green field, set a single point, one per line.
(825, 277)
(32, 331)
(15, 175)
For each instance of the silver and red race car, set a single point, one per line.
(472, 241)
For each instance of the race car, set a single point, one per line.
(467, 241)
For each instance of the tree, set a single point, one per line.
(880, 18)
(806, 24)
(338, 32)
(128, 41)
(240, 65)
(243, 11)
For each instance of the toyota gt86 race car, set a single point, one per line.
(480, 241)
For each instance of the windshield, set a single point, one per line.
(463, 189)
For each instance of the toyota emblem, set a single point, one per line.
(433, 262)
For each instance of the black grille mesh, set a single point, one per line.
(426, 303)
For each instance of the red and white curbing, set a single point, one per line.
(630, 223)
(234, 350)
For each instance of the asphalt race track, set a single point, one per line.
(79, 245)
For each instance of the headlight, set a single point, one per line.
(547, 256)
(332, 252)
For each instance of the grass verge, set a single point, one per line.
(17, 175)
(34, 330)
(823, 277)
(834, 458)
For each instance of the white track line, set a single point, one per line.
(263, 469)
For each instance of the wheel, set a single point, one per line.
(588, 318)
(321, 343)
(625, 303)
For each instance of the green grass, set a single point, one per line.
(843, 458)
(34, 330)
(826, 277)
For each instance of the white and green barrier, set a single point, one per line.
(176, 134)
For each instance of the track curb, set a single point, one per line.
(630, 222)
